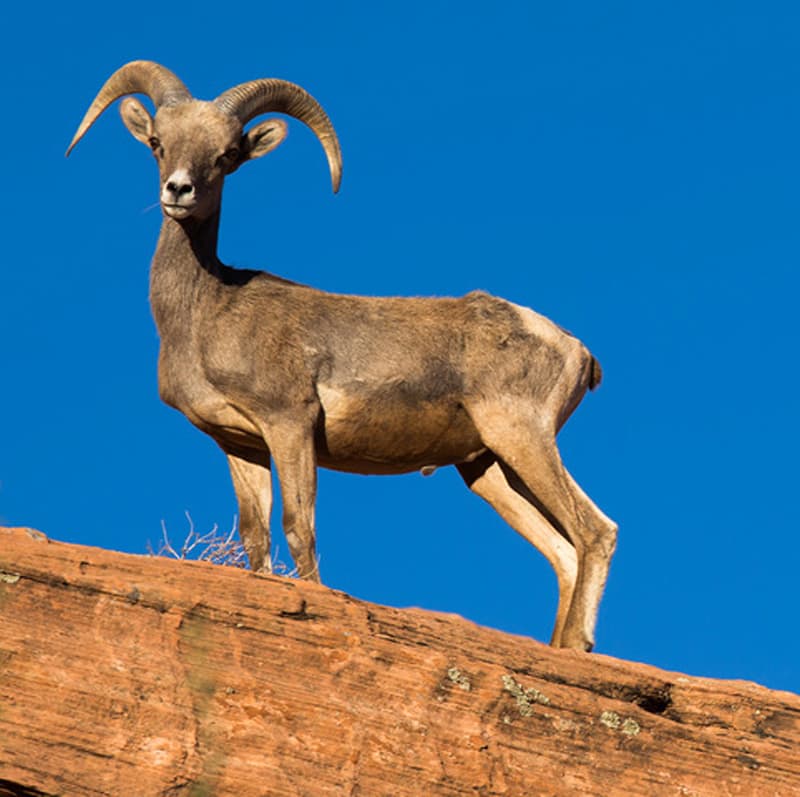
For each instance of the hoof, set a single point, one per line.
(576, 642)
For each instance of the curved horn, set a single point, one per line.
(251, 99)
(136, 77)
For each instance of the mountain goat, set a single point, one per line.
(280, 372)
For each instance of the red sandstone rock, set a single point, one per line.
(126, 675)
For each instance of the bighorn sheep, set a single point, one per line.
(276, 371)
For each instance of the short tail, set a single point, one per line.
(595, 373)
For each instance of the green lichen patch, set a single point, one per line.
(459, 678)
(626, 725)
(630, 727)
(565, 725)
(611, 720)
(526, 698)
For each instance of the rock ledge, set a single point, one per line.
(130, 675)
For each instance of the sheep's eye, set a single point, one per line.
(230, 156)
(154, 143)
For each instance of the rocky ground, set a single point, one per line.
(127, 675)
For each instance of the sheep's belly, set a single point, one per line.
(382, 435)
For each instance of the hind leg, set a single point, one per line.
(504, 491)
(520, 438)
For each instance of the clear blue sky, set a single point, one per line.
(631, 170)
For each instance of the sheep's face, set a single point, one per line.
(196, 145)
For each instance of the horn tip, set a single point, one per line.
(75, 139)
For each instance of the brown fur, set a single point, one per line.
(280, 372)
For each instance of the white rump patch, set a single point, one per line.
(542, 327)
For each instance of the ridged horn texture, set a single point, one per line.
(137, 77)
(271, 95)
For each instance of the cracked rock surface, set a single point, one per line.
(131, 675)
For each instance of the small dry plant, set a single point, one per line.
(214, 546)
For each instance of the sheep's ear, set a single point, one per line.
(137, 119)
(263, 138)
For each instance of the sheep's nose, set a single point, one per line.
(179, 188)
(179, 184)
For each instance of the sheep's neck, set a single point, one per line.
(185, 271)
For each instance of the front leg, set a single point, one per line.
(292, 447)
(252, 481)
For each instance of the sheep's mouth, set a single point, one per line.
(175, 211)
